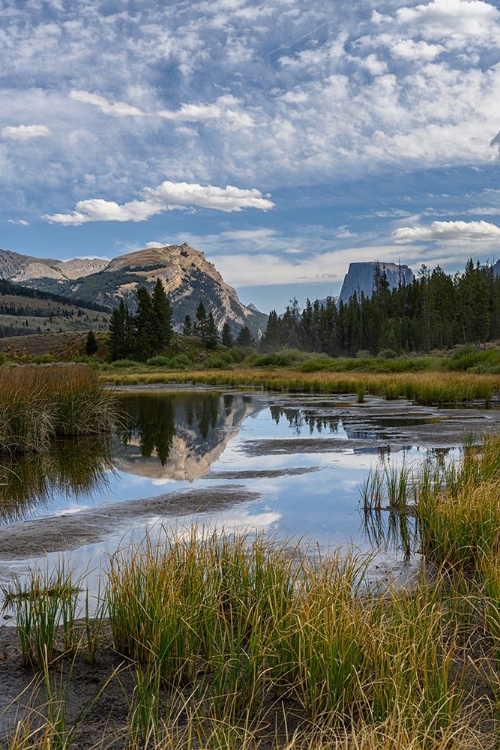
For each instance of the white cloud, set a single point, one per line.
(448, 230)
(117, 109)
(26, 132)
(20, 222)
(165, 197)
(407, 49)
(456, 22)
(225, 107)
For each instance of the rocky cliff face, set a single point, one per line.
(360, 278)
(187, 276)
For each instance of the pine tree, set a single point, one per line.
(200, 326)
(211, 333)
(120, 332)
(245, 337)
(144, 326)
(162, 313)
(91, 344)
(227, 336)
(187, 327)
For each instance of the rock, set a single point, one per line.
(360, 278)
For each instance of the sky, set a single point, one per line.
(284, 139)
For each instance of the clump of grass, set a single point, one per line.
(236, 623)
(459, 508)
(389, 483)
(39, 403)
(43, 607)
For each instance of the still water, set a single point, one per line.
(296, 466)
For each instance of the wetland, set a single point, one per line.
(249, 512)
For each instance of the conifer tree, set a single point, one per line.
(227, 336)
(162, 314)
(120, 332)
(91, 344)
(187, 327)
(245, 337)
(211, 332)
(144, 326)
(200, 325)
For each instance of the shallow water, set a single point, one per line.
(304, 459)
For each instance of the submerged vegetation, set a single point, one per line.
(41, 403)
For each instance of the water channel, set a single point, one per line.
(287, 466)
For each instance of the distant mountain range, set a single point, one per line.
(187, 276)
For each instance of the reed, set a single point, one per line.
(39, 403)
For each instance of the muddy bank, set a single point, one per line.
(65, 532)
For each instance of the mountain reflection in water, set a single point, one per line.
(180, 435)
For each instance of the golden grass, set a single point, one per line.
(424, 388)
(39, 403)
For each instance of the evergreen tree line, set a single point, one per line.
(146, 333)
(149, 331)
(435, 311)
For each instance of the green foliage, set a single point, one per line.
(91, 345)
(123, 363)
(435, 311)
(227, 335)
(145, 334)
(245, 338)
(177, 362)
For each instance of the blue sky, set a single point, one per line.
(284, 139)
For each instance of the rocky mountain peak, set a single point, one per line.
(360, 277)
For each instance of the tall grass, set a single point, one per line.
(39, 403)
(241, 623)
(422, 388)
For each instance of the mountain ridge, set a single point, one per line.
(187, 277)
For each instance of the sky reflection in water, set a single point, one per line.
(183, 441)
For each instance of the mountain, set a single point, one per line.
(187, 276)
(360, 278)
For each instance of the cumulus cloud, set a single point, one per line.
(165, 197)
(225, 107)
(20, 222)
(116, 109)
(457, 22)
(408, 49)
(448, 230)
(25, 132)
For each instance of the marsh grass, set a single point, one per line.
(39, 403)
(422, 387)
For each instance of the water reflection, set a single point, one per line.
(180, 435)
(73, 467)
(391, 531)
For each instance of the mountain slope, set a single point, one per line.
(187, 276)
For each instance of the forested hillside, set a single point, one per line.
(435, 311)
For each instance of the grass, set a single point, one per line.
(422, 388)
(40, 403)
(242, 642)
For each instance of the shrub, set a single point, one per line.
(124, 363)
(388, 354)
